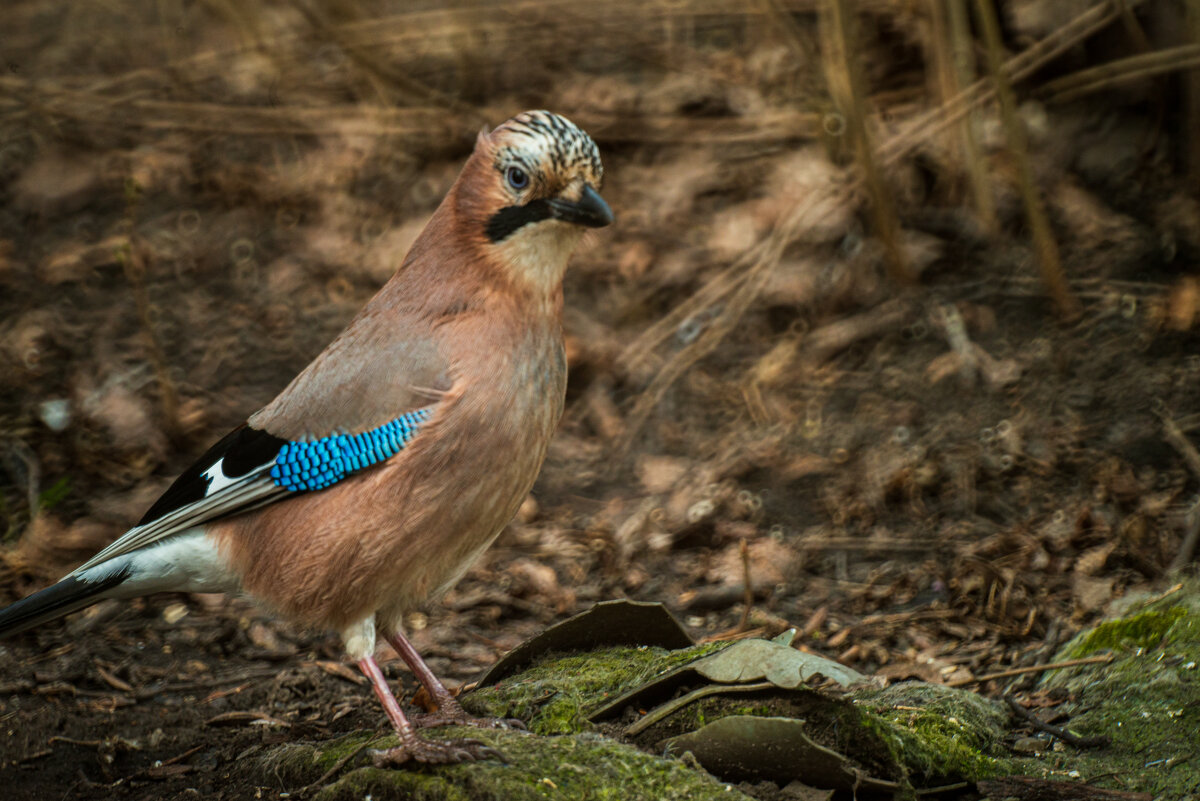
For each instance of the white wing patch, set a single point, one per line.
(217, 478)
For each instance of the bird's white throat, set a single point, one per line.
(537, 254)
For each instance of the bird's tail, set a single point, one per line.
(70, 594)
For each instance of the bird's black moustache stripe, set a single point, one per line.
(510, 218)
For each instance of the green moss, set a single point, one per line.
(582, 766)
(381, 784)
(933, 731)
(758, 710)
(936, 746)
(556, 695)
(290, 762)
(1147, 701)
(1145, 630)
(329, 754)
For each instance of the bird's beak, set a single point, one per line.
(589, 210)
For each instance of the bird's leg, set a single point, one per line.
(445, 700)
(449, 710)
(411, 746)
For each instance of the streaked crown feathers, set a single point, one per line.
(549, 146)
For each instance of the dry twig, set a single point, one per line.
(1057, 731)
(1018, 671)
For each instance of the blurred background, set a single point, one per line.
(902, 354)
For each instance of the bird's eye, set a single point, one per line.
(517, 178)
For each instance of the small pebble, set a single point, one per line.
(1029, 745)
(55, 414)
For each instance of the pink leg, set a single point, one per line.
(444, 699)
(411, 746)
(449, 711)
(383, 692)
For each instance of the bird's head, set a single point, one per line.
(529, 191)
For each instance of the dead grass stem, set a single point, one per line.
(846, 85)
(1044, 243)
(1191, 93)
(961, 72)
(1017, 68)
(1121, 71)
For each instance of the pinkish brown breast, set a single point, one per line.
(397, 534)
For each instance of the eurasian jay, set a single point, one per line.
(379, 474)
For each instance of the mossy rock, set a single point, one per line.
(1146, 701)
(954, 734)
(580, 766)
(909, 733)
(935, 733)
(907, 737)
(557, 693)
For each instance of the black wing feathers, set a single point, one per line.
(242, 450)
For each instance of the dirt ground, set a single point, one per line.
(933, 469)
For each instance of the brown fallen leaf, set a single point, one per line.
(770, 562)
(240, 716)
(661, 473)
(57, 182)
(1183, 304)
(1093, 560)
(1091, 594)
(340, 670)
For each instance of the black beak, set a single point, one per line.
(589, 210)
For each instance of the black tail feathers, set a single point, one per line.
(68, 595)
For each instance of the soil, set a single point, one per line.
(940, 477)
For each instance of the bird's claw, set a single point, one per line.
(435, 752)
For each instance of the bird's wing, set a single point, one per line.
(380, 380)
(250, 468)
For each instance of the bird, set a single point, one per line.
(374, 479)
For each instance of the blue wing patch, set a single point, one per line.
(315, 465)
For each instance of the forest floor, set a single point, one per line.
(938, 478)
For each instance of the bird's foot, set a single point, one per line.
(451, 713)
(434, 752)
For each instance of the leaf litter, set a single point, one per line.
(941, 482)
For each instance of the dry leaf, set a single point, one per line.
(1091, 594)
(660, 474)
(1093, 560)
(1183, 303)
(58, 182)
(770, 562)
